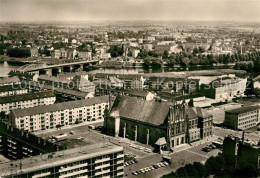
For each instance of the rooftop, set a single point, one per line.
(14, 87)
(141, 110)
(9, 80)
(59, 106)
(24, 97)
(59, 158)
(243, 109)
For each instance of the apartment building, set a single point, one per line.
(66, 113)
(10, 90)
(28, 100)
(18, 144)
(242, 118)
(97, 160)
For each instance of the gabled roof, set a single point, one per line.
(141, 110)
(14, 87)
(203, 113)
(59, 106)
(191, 113)
(137, 92)
(9, 80)
(80, 81)
(25, 97)
(161, 141)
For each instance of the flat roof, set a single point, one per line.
(59, 158)
(243, 109)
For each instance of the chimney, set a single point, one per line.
(243, 137)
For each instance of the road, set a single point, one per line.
(189, 155)
(221, 132)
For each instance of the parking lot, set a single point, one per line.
(143, 154)
(190, 155)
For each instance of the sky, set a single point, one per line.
(100, 10)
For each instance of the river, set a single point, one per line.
(6, 67)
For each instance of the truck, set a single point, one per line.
(60, 137)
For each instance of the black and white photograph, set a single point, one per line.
(129, 88)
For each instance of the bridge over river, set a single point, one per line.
(57, 68)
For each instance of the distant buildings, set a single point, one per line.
(135, 53)
(82, 83)
(148, 47)
(224, 88)
(66, 113)
(28, 100)
(97, 160)
(242, 118)
(34, 51)
(162, 125)
(178, 85)
(17, 144)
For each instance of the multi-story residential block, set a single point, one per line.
(97, 160)
(10, 90)
(18, 144)
(66, 113)
(162, 125)
(242, 118)
(28, 100)
(9, 81)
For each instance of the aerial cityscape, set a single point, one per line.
(129, 88)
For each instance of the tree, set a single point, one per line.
(17, 52)
(3, 116)
(116, 51)
(165, 54)
(185, 61)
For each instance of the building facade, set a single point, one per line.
(224, 88)
(28, 100)
(148, 122)
(97, 160)
(10, 90)
(18, 144)
(66, 113)
(242, 118)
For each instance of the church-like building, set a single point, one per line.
(162, 125)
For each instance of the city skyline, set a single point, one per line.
(102, 10)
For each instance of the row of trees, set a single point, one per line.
(218, 166)
(18, 52)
